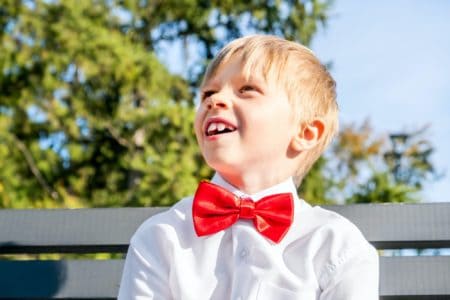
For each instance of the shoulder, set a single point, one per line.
(333, 228)
(343, 246)
(165, 227)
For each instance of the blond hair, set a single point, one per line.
(310, 88)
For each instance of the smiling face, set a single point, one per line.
(245, 125)
(248, 129)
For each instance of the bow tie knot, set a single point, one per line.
(247, 208)
(215, 209)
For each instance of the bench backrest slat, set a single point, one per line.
(70, 230)
(73, 279)
(396, 226)
(415, 276)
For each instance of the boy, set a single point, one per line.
(267, 112)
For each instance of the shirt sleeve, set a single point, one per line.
(354, 276)
(143, 277)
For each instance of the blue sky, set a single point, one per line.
(391, 61)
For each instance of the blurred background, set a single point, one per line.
(391, 60)
(97, 98)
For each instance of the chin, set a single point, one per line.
(224, 167)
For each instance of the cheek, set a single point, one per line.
(198, 122)
(272, 127)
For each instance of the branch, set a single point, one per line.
(115, 134)
(32, 165)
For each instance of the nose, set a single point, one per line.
(217, 101)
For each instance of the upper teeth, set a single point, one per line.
(217, 127)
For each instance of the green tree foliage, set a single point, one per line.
(209, 25)
(89, 116)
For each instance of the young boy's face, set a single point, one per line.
(244, 125)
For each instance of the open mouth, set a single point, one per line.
(215, 128)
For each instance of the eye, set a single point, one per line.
(207, 93)
(247, 88)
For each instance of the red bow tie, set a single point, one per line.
(215, 209)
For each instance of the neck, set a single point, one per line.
(251, 184)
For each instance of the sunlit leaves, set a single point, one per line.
(364, 167)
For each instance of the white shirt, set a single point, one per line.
(323, 256)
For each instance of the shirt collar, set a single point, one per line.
(286, 186)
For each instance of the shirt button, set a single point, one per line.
(244, 253)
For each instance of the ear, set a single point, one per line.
(308, 135)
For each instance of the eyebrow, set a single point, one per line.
(208, 87)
